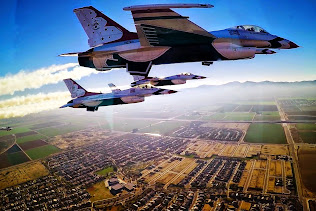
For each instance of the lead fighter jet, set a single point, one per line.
(92, 101)
(165, 37)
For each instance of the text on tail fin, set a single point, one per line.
(100, 28)
(75, 89)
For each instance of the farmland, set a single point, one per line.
(307, 156)
(265, 133)
(41, 152)
(25, 172)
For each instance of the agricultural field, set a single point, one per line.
(34, 137)
(215, 116)
(306, 131)
(308, 137)
(229, 149)
(272, 149)
(23, 173)
(241, 150)
(54, 131)
(306, 161)
(98, 191)
(267, 116)
(257, 179)
(306, 126)
(239, 116)
(41, 152)
(32, 144)
(17, 158)
(15, 130)
(164, 127)
(5, 144)
(253, 150)
(265, 133)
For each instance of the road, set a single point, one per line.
(294, 156)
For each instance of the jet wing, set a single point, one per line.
(158, 25)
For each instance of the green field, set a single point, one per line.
(216, 116)
(256, 102)
(239, 116)
(17, 158)
(14, 131)
(29, 138)
(268, 116)
(266, 133)
(105, 171)
(41, 152)
(308, 137)
(163, 127)
(54, 131)
(306, 126)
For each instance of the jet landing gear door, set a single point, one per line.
(139, 70)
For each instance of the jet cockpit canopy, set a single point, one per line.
(185, 73)
(252, 28)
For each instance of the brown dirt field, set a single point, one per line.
(275, 150)
(243, 179)
(241, 150)
(218, 147)
(166, 178)
(32, 144)
(288, 169)
(278, 169)
(19, 135)
(22, 173)
(307, 157)
(245, 205)
(190, 168)
(272, 168)
(278, 189)
(4, 162)
(229, 149)
(271, 184)
(182, 165)
(3, 138)
(253, 150)
(257, 179)
(261, 164)
(248, 165)
(181, 177)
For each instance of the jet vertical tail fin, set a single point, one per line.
(100, 28)
(74, 88)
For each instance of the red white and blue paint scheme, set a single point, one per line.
(166, 37)
(166, 81)
(92, 100)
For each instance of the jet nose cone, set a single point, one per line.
(293, 45)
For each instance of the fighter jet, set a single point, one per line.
(166, 37)
(92, 101)
(165, 81)
(6, 128)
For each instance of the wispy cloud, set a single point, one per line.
(38, 78)
(21, 106)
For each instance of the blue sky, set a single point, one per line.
(34, 32)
